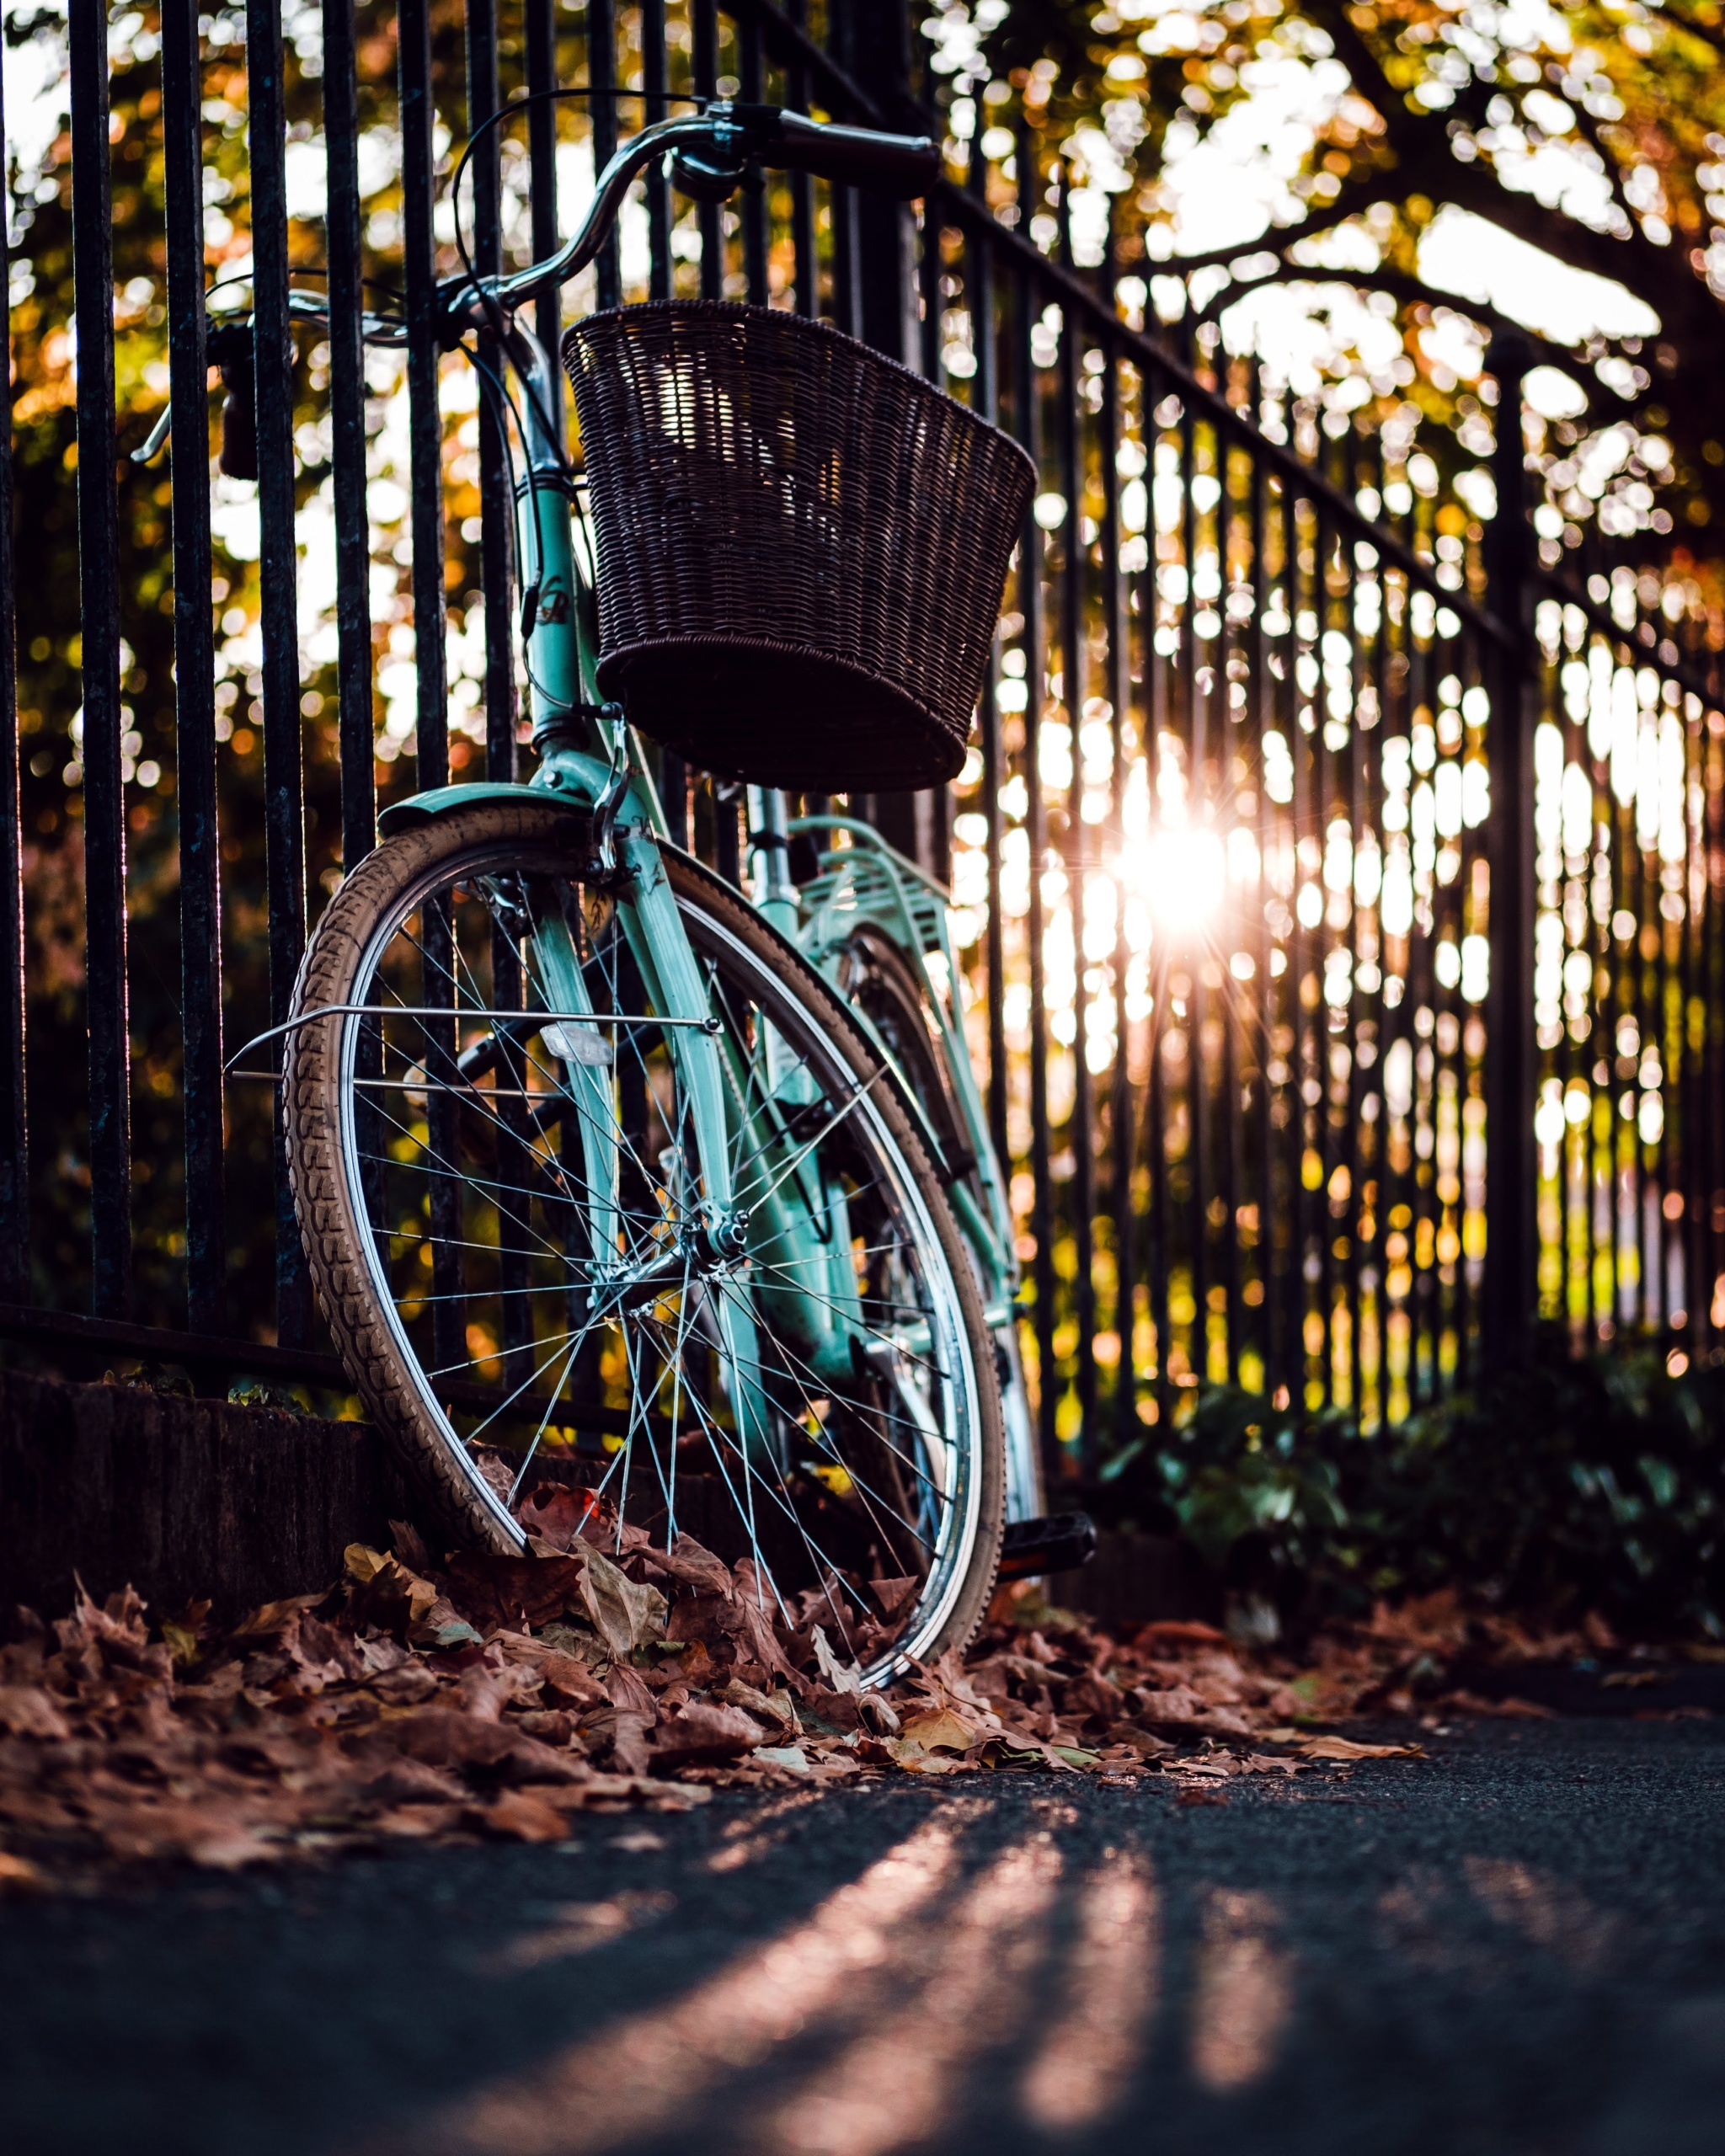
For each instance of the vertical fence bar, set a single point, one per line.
(14, 1164)
(347, 422)
(193, 668)
(980, 282)
(1350, 798)
(497, 583)
(1188, 999)
(1324, 1130)
(805, 262)
(542, 167)
(1303, 820)
(704, 18)
(496, 506)
(728, 799)
(1713, 1062)
(1035, 647)
(1082, 1131)
(879, 62)
(1120, 697)
(1512, 1244)
(98, 573)
(1693, 1123)
(994, 938)
(673, 771)
(928, 278)
(272, 364)
(752, 89)
(431, 730)
(425, 429)
(655, 80)
(1369, 1203)
(1262, 704)
(841, 202)
(601, 76)
(1158, 1226)
(355, 716)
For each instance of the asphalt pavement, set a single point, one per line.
(1514, 1947)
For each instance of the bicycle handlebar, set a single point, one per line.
(732, 137)
(715, 150)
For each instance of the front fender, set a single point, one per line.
(442, 801)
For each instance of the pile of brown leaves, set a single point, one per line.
(493, 1697)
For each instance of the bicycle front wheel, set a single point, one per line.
(506, 1167)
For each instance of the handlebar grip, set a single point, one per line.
(903, 166)
(238, 456)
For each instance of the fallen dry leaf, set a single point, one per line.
(702, 1735)
(523, 1816)
(791, 1756)
(27, 1711)
(914, 1759)
(942, 1730)
(19, 1875)
(1345, 1747)
(1512, 1708)
(271, 1618)
(503, 1594)
(625, 1612)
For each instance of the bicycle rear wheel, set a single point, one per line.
(509, 1218)
(876, 978)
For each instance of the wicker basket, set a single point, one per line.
(801, 545)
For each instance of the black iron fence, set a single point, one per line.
(1335, 876)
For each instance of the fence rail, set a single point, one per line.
(1337, 874)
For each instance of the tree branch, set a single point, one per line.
(1702, 32)
(1355, 197)
(1589, 129)
(1410, 292)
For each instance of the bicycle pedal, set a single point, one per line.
(1059, 1543)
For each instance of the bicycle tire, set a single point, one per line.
(874, 974)
(341, 1243)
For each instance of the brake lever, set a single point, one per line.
(158, 440)
(601, 860)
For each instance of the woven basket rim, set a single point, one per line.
(801, 325)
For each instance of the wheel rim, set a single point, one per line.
(811, 1406)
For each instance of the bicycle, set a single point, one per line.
(581, 1143)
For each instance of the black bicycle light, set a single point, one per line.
(708, 175)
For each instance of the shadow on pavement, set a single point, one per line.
(1514, 1947)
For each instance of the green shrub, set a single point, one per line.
(1595, 1484)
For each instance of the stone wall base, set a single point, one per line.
(185, 1500)
(197, 1500)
